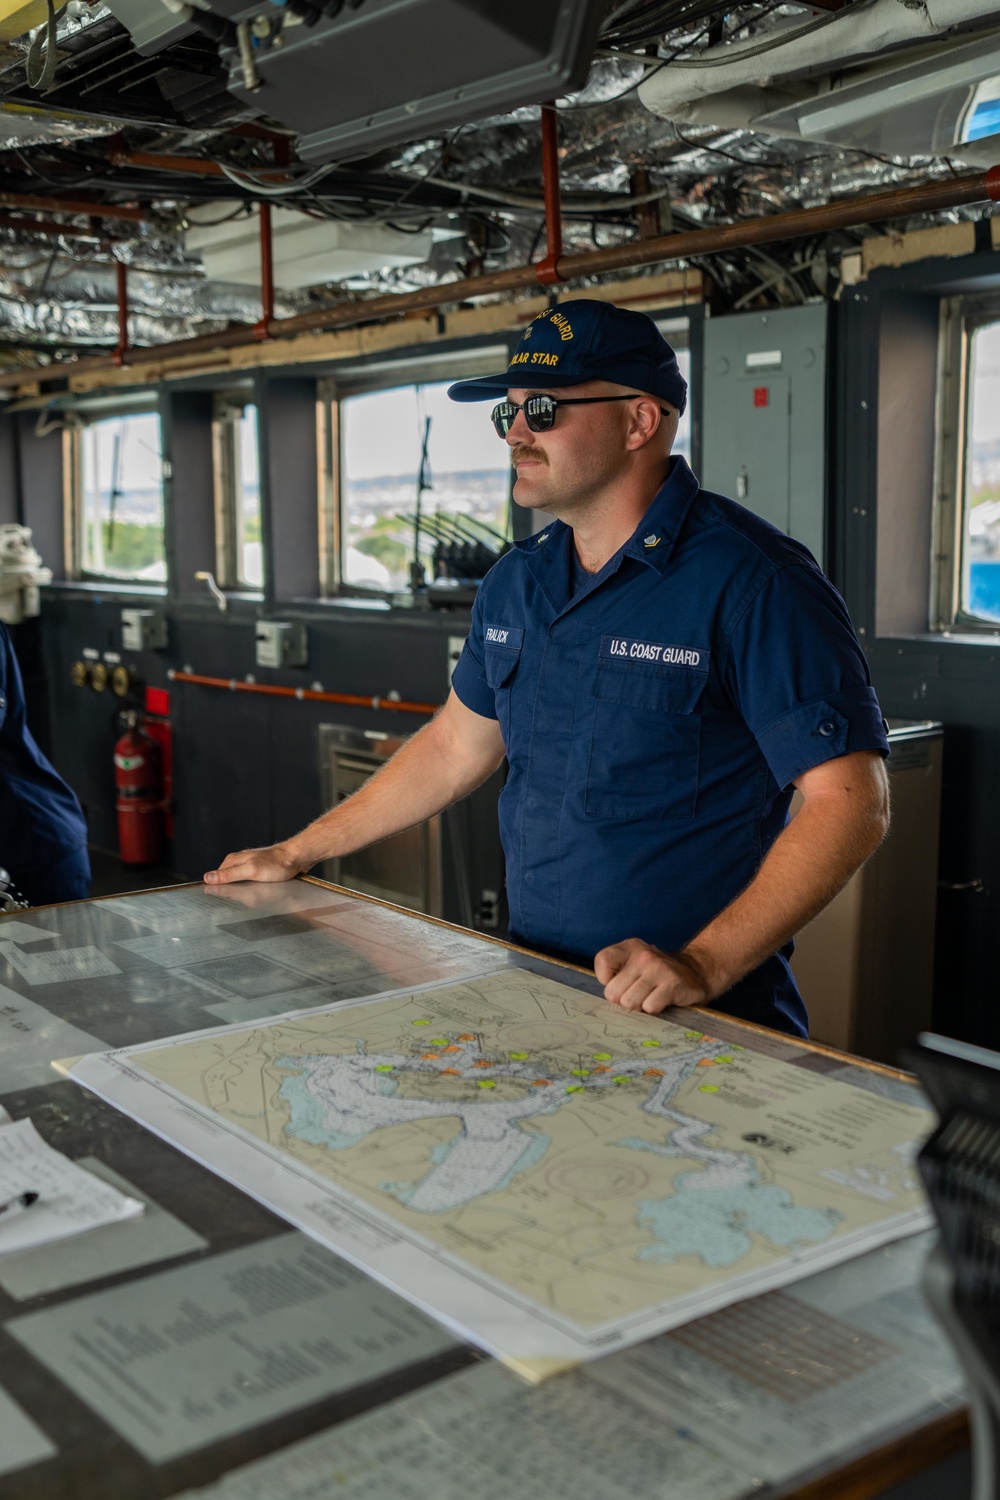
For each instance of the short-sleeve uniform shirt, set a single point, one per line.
(654, 721)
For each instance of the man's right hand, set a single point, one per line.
(275, 862)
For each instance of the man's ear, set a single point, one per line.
(644, 421)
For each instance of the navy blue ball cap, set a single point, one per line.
(583, 340)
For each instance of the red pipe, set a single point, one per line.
(305, 695)
(159, 163)
(547, 270)
(121, 348)
(76, 206)
(262, 329)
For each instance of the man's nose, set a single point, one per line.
(519, 433)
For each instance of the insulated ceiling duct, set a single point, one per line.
(306, 251)
(378, 72)
(943, 104)
(882, 77)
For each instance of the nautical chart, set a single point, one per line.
(545, 1173)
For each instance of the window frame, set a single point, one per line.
(228, 408)
(76, 422)
(388, 374)
(960, 318)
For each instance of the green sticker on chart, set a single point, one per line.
(602, 1056)
(519, 1056)
(485, 1083)
(694, 1036)
(580, 1072)
(574, 1088)
(652, 1044)
(709, 1088)
(440, 1041)
(723, 1059)
(421, 1023)
(622, 1078)
(383, 1067)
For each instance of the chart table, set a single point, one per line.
(206, 1347)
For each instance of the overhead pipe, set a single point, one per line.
(87, 206)
(262, 329)
(121, 281)
(894, 203)
(197, 165)
(547, 270)
(50, 228)
(305, 695)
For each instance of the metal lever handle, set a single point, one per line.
(213, 589)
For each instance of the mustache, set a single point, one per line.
(527, 452)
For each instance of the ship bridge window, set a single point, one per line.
(116, 495)
(464, 477)
(968, 550)
(981, 518)
(238, 541)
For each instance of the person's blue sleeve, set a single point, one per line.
(797, 672)
(469, 678)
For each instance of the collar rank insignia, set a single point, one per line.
(543, 538)
(652, 540)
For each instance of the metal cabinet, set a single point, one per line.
(405, 869)
(764, 419)
(865, 966)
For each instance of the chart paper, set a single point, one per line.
(548, 1175)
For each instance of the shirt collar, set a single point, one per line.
(654, 538)
(651, 543)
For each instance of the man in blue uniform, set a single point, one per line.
(43, 838)
(661, 669)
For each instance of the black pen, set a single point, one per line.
(23, 1200)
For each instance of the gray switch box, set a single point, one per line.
(764, 425)
(144, 630)
(280, 643)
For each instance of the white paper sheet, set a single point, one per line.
(13, 930)
(729, 1408)
(21, 1442)
(70, 1199)
(31, 1038)
(187, 1357)
(60, 965)
(153, 1236)
(170, 951)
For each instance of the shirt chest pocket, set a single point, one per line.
(645, 744)
(500, 665)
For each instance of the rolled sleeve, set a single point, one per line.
(469, 677)
(801, 679)
(821, 731)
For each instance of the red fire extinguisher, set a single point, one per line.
(139, 800)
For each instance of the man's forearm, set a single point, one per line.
(425, 776)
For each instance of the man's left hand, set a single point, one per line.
(637, 976)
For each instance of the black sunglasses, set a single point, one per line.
(540, 411)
